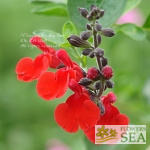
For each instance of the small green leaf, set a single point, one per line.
(131, 4)
(113, 10)
(52, 10)
(50, 36)
(132, 31)
(68, 29)
(147, 23)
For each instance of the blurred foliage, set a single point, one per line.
(26, 121)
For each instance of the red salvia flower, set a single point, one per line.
(107, 72)
(112, 116)
(37, 41)
(77, 111)
(28, 69)
(54, 85)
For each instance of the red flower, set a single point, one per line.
(77, 111)
(54, 85)
(92, 73)
(107, 72)
(28, 69)
(112, 116)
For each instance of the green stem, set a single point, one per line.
(75, 50)
(82, 59)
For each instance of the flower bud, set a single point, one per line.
(92, 54)
(104, 61)
(78, 42)
(94, 12)
(92, 73)
(107, 72)
(98, 27)
(86, 51)
(92, 7)
(85, 81)
(107, 32)
(89, 17)
(97, 85)
(99, 39)
(109, 84)
(102, 13)
(99, 52)
(83, 12)
(89, 27)
(85, 35)
(111, 97)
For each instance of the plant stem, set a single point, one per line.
(98, 60)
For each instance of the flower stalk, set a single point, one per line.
(92, 50)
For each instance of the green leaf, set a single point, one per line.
(68, 29)
(52, 10)
(147, 23)
(113, 10)
(132, 31)
(50, 36)
(131, 4)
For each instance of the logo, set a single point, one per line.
(120, 134)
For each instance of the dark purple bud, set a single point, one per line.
(94, 11)
(85, 35)
(89, 27)
(92, 7)
(97, 85)
(89, 17)
(98, 27)
(107, 32)
(78, 42)
(85, 81)
(109, 84)
(99, 39)
(99, 52)
(83, 12)
(92, 54)
(102, 13)
(104, 62)
(86, 51)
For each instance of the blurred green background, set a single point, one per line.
(26, 121)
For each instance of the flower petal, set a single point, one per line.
(47, 86)
(28, 69)
(64, 57)
(64, 117)
(90, 115)
(81, 111)
(53, 85)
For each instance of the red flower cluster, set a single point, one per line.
(50, 85)
(112, 116)
(28, 69)
(79, 111)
